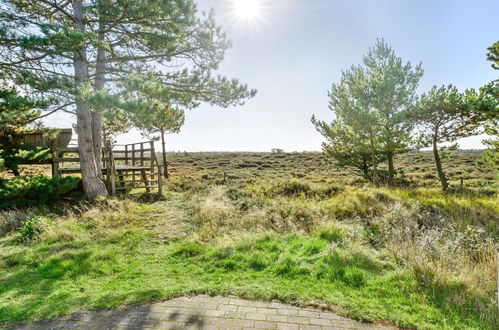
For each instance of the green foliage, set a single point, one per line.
(349, 148)
(299, 189)
(130, 56)
(23, 153)
(33, 226)
(15, 110)
(493, 55)
(485, 106)
(15, 113)
(332, 234)
(115, 122)
(443, 116)
(34, 190)
(370, 104)
(142, 55)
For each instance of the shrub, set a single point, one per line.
(297, 189)
(23, 153)
(34, 190)
(332, 234)
(288, 217)
(33, 226)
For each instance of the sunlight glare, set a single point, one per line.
(247, 10)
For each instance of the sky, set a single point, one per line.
(293, 50)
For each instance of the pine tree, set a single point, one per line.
(16, 112)
(485, 104)
(392, 87)
(371, 104)
(93, 55)
(160, 119)
(349, 148)
(443, 116)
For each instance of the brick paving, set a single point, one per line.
(205, 312)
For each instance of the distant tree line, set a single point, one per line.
(378, 115)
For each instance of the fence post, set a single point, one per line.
(151, 146)
(112, 169)
(55, 163)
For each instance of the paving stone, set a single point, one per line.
(290, 312)
(277, 318)
(205, 312)
(262, 304)
(317, 321)
(247, 309)
(287, 326)
(222, 323)
(275, 304)
(308, 313)
(298, 319)
(216, 313)
(228, 308)
(329, 316)
(267, 310)
(235, 315)
(265, 325)
(239, 302)
(310, 327)
(255, 316)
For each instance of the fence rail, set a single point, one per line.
(136, 160)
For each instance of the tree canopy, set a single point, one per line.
(443, 116)
(87, 56)
(371, 104)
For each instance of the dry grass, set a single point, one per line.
(291, 220)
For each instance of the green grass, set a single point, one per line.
(281, 226)
(130, 265)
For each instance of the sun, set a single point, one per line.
(247, 10)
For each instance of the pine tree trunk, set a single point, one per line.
(438, 164)
(91, 176)
(375, 163)
(99, 85)
(391, 168)
(365, 167)
(163, 150)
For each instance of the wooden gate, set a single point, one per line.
(124, 167)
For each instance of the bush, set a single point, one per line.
(34, 190)
(297, 189)
(23, 153)
(332, 234)
(33, 226)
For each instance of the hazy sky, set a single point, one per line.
(296, 49)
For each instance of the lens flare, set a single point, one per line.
(247, 10)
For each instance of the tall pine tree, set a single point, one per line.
(93, 55)
(443, 116)
(371, 104)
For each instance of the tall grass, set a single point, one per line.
(414, 256)
(442, 240)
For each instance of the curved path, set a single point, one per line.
(204, 312)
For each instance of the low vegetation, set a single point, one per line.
(410, 255)
(34, 190)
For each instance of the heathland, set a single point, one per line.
(286, 226)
